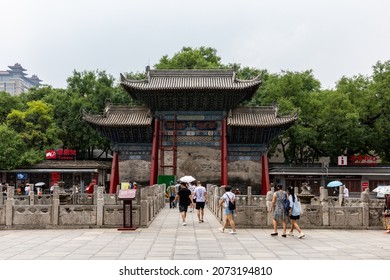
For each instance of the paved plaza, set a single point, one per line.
(167, 239)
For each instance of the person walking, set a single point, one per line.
(185, 199)
(191, 187)
(346, 192)
(201, 199)
(224, 201)
(171, 191)
(295, 211)
(386, 213)
(279, 213)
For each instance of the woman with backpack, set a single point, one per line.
(294, 212)
(277, 206)
(228, 198)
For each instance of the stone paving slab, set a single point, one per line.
(167, 239)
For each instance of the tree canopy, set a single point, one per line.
(191, 58)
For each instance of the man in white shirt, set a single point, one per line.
(346, 191)
(27, 189)
(201, 199)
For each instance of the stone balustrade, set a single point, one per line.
(74, 210)
(105, 210)
(323, 212)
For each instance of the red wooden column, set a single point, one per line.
(224, 156)
(154, 161)
(114, 178)
(265, 184)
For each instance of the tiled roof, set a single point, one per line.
(190, 79)
(189, 90)
(73, 164)
(266, 116)
(119, 115)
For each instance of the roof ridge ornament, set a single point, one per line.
(147, 70)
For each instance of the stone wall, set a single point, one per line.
(58, 210)
(321, 212)
(201, 162)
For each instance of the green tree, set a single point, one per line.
(7, 104)
(88, 90)
(291, 92)
(191, 58)
(12, 148)
(335, 120)
(381, 89)
(35, 125)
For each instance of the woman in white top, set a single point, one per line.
(294, 212)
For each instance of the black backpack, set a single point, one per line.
(231, 204)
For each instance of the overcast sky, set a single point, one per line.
(334, 38)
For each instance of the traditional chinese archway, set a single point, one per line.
(191, 108)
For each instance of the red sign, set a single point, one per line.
(51, 154)
(61, 154)
(363, 160)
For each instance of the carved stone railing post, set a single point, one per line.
(144, 203)
(150, 203)
(325, 206)
(9, 205)
(99, 205)
(95, 194)
(153, 195)
(268, 203)
(341, 195)
(217, 196)
(209, 194)
(249, 196)
(365, 197)
(162, 199)
(31, 195)
(158, 196)
(55, 206)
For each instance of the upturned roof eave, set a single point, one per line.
(118, 120)
(217, 80)
(147, 87)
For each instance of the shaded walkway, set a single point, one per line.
(166, 238)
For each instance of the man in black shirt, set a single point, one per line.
(185, 199)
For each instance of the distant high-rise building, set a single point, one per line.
(15, 81)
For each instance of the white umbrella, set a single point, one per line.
(382, 190)
(187, 179)
(40, 184)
